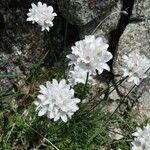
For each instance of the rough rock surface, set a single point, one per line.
(80, 12)
(20, 47)
(141, 10)
(13, 4)
(23, 44)
(103, 25)
(142, 108)
(136, 37)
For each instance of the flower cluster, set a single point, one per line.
(89, 55)
(135, 67)
(142, 139)
(56, 100)
(42, 14)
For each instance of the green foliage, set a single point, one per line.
(87, 130)
(29, 130)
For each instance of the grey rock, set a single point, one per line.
(20, 48)
(113, 93)
(81, 12)
(142, 108)
(136, 38)
(141, 10)
(23, 45)
(103, 25)
(17, 4)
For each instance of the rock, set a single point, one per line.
(23, 45)
(17, 4)
(20, 47)
(103, 25)
(142, 108)
(81, 12)
(135, 38)
(112, 106)
(141, 10)
(97, 90)
(113, 93)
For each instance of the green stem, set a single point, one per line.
(86, 82)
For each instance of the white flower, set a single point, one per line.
(90, 54)
(56, 100)
(135, 66)
(142, 139)
(78, 75)
(42, 14)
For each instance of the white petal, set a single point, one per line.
(74, 108)
(62, 83)
(106, 57)
(55, 82)
(36, 103)
(54, 14)
(50, 9)
(43, 89)
(46, 102)
(41, 97)
(57, 117)
(76, 100)
(44, 5)
(106, 67)
(40, 4)
(64, 118)
(100, 70)
(70, 114)
(47, 28)
(48, 84)
(51, 115)
(42, 111)
(43, 28)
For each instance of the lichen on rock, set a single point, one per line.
(80, 12)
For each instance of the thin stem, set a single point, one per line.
(70, 68)
(99, 94)
(86, 82)
(106, 123)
